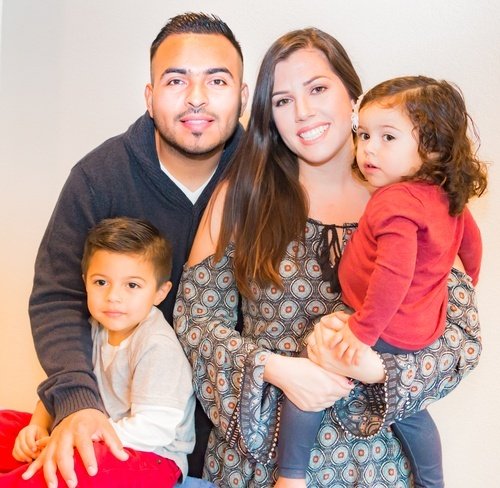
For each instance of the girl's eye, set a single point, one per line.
(133, 285)
(100, 282)
(388, 137)
(363, 136)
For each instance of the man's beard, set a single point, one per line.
(194, 150)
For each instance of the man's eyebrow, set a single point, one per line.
(209, 71)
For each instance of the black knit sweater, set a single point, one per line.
(121, 177)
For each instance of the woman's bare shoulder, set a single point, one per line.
(207, 235)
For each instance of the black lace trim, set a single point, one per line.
(329, 244)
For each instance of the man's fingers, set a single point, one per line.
(62, 459)
(32, 469)
(85, 448)
(50, 472)
(42, 442)
(114, 444)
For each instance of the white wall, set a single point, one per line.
(73, 72)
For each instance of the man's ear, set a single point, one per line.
(162, 292)
(148, 96)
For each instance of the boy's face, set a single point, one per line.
(121, 289)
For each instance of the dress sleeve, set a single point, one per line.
(415, 380)
(227, 366)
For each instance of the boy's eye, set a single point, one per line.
(388, 137)
(363, 136)
(133, 285)
(100, 282)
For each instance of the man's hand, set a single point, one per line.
(79, 430)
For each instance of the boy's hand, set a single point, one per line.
(29, 443)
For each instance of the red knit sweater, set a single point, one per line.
(395, 268)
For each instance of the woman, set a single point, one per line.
(273, 235)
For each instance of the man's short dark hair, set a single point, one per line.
(195, 23)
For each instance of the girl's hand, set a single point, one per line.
(308, 386)
(370, 368)
(346, 347)
(29, 443)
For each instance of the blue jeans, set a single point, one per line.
(190, 482)
(420, 439)
(418, 435)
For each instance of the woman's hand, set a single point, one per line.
(308, 386)
(370, 368)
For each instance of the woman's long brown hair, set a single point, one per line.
(266, 207)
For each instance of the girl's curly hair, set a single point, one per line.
(438, 113)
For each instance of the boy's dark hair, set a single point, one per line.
(126, 235)
(437, 111)
(195, 23)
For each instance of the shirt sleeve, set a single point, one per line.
(57, 306)
(148, 427)
(471, 248)
(393, 219)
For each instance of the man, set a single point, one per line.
(162, 169)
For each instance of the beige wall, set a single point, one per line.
(73, 72)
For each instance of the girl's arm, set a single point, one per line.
(471, 249)
(415, 380)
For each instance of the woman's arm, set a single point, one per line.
(310, 387)
(415, 380)
(231, 375)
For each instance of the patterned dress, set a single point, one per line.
(355, 446)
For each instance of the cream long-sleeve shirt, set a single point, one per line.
(146, 385)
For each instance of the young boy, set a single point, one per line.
(143, 375)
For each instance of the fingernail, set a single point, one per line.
(71, 483)
(92, 470)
